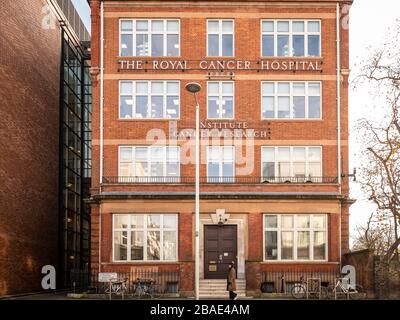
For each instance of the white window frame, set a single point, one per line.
(291, 161)
(221, 161)
(291, 99)
(122, 179)
(220, 33)
(295, 231)
(145, 229)
(149, 35)
(220, 95)
(290, 34)
(149, 95)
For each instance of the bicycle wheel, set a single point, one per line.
(330, 293)
(324, 293)
(299, 291)
(357, 293)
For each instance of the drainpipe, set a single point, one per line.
(338, 101)
(101, 114)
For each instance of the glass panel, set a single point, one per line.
(227, 107)
(142, 25)
(298, 26)
(137, 221)
(314, 107)
(169, 245)
(314, 154)
(227, 45)
(271, 245)
(303, 221)
(268, 107)
(120, 245)
(287, 245)
(121, 221)
(314, 89)
(157, 87)
(157, 169)
(269, 170)
(213, 88)
(268, 88)
(303, 245)
(271, 221)
(172, 107)
(125, 107)
(284, 153)
(213, 26)
(283, 107)
(299, 88)
(142, 45)
(172, 154)
(125, 154)
(227, 26)
(268, 154)
(299, 107)
(157, 45)
(172, 45)
(213, 45)
(268, 26)
(283, 45)
(314, 169)
(169, 221)
(141, 87)
(227, 170)
(126, 25)
(313, 46)
(283, 88)
(173, 88)
(141, 153)
(126, 87)
(141, 107)
(298, 46)
(286, 221)
(172, 169)
(157, 107)
(125, 170)
(283, 26)
(153, 245)
(319, 245)
(299, 154)
(213, 107)
(319, 221)
(141, 169)
(214, 153)
(172, 26)
(228, 153)
(126, 45)
(299, 170)
(213, 170)
(153, 221)
(137, 245)
(268, 46)
(313, 26)
(157, 25)
(227, 88)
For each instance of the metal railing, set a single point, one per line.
(283, 281)
(218, 180)
(165, 281)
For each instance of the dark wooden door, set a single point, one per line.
(220, 248)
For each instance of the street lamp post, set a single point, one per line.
(193, 87)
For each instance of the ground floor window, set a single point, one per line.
(295, 237)
(145, 237)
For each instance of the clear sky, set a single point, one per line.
(369, 22)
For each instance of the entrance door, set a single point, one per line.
(220, 248)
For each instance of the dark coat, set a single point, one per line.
(231, 285)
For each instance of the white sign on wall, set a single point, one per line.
(107, 276)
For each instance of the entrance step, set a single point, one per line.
(216, 288)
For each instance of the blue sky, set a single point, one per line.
(369, 21)
(84, 11)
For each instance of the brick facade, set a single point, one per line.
(29, 129)
(114, 198)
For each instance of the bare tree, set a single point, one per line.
(380, 136)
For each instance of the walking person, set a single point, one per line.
(231, 285)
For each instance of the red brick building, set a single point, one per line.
(274, 139)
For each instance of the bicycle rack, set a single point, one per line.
(313, 287)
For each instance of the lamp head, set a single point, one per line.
(193, 87)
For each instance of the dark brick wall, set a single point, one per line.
(29, 124)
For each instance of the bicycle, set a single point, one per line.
(145, 288)
(117, 287)
(299, 290)
(343, 287)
